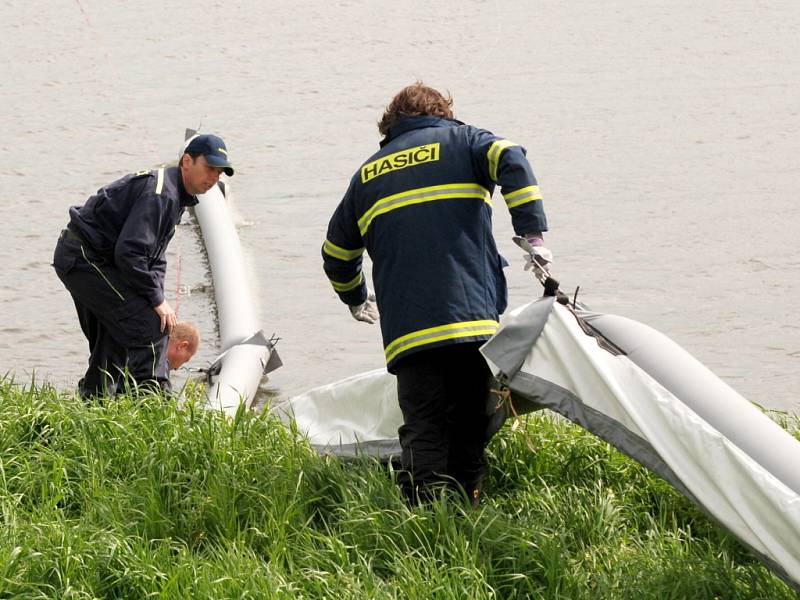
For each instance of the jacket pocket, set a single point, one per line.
(137, 322)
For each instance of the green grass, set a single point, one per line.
(141, 499)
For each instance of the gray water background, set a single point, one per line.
(664, 135)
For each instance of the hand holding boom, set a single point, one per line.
(540, 259)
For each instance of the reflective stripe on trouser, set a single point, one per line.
(442, 394)
(432, 335)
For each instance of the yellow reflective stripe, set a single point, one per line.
(335, 251)
(495, 150)
(522, 196)
(420, 195)
(350, 285)
(160, 182)
(519, 192)
(437, 334)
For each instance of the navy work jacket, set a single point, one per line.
(421, 207)
(130, 222)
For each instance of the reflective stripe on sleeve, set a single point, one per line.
(438, 334)
(420, 195)
(522, 196)
(335, 251)
(350, 285)
(493, 155)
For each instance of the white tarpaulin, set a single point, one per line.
(357, 414)
(629, 385)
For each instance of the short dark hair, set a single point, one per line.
(413, 101)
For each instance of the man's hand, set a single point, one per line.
(366, 311)
(539, 259)
(168, 317)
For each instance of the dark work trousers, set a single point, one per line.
(121, 327)
(442, 394)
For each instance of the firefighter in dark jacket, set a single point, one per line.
(111, 258)
(421, 207)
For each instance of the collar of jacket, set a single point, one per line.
(186, 199)
(408, 123)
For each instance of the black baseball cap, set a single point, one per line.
(213, 148)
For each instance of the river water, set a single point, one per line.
(664, 134)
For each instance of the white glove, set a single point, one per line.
(539, 259)
(367, 311)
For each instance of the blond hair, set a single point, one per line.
(184, 331)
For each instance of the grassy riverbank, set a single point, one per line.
(141, 499)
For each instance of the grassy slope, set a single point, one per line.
(141, 499)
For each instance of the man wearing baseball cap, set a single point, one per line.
(111, 258)
(213, 149)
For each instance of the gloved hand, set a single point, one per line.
(367, 311)
(539, 258)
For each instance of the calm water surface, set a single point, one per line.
(664, 134)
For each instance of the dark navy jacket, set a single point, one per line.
(421, 207)
(130, 222)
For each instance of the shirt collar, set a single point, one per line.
(406, 124)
